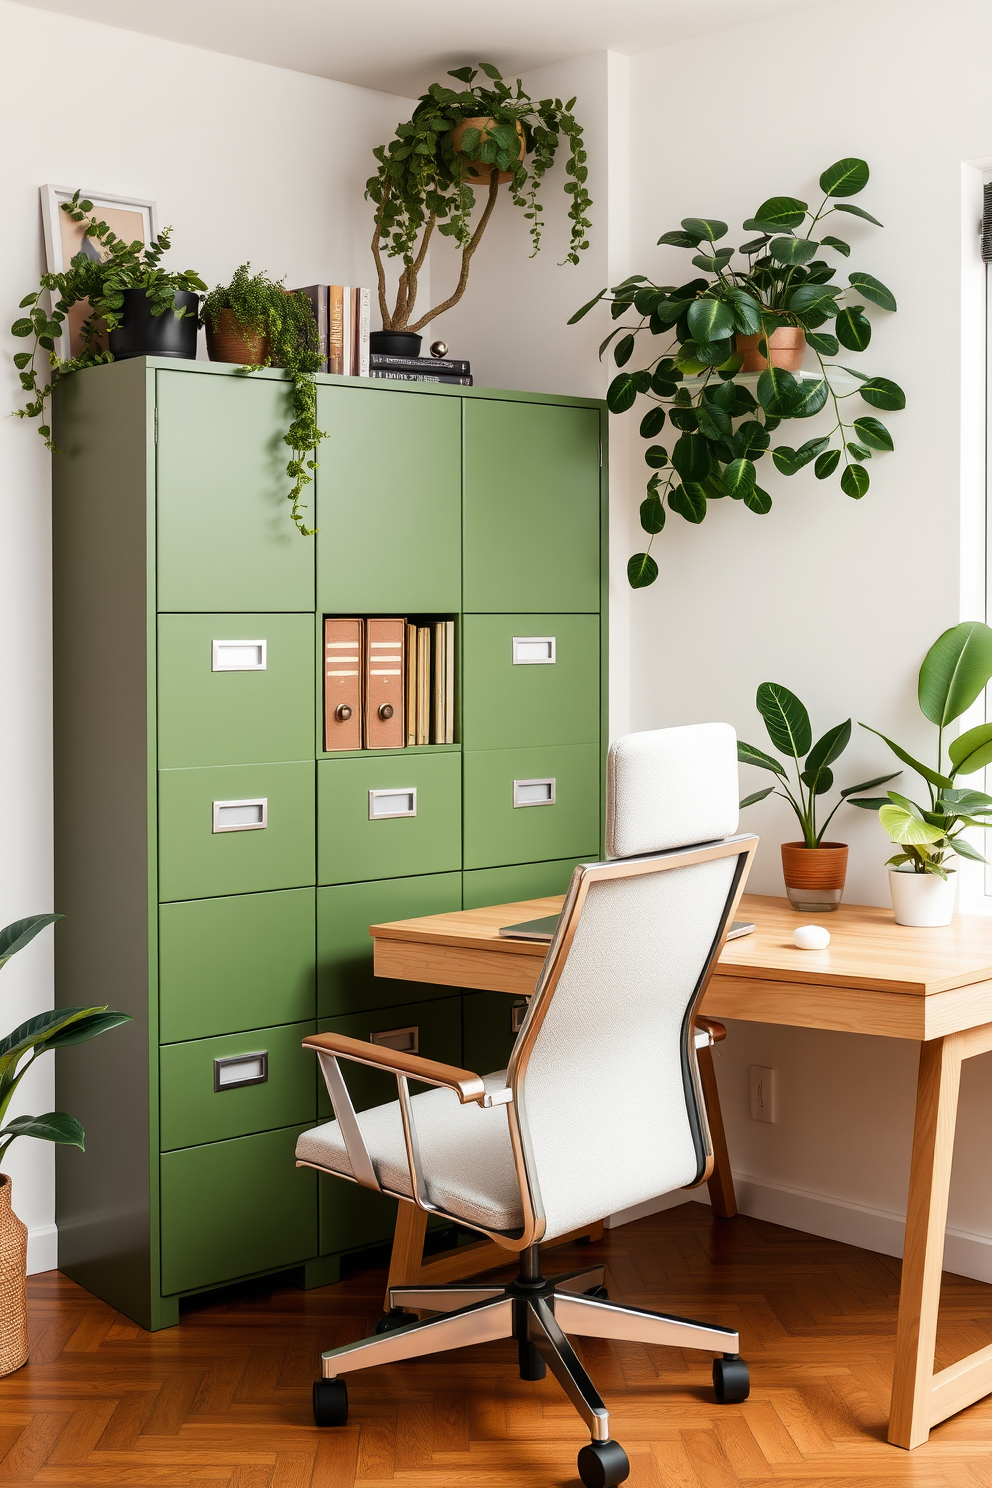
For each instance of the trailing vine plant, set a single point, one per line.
(101, 281)
(424, 179)
(722, 428)
(264, 309)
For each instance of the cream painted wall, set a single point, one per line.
(247, 162)
(837, 599)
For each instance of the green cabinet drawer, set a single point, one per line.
(484, 886)
(235, 830)
(501, 824)
(432, 1028)
(232, 1209)
(530, 679)
(357, 838)
(234, 689)
(345, 980)
(489, 1023)
(531, 507)
(217, 1088)
(389, 502)
(246, 961)
(225, 540)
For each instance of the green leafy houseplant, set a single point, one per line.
(955, 671)
(790, 731)
(56, 1029)
(285, 322)
(100, 280)
(424, 183)
(722, 429)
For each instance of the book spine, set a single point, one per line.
(396, 376)
(422, 364)
(411, 684)
(364, 327)
(423, 684)
(438, 682)
(385, 692)
(449, 682)
(335, 329)
(347, 331)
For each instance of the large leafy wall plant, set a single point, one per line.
(954, 673)
(720, 428)
(424, 179)
(101, 281)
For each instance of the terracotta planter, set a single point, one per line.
(922, 898)
(478, 170)
(814, 876)
(228, 342)
(13, 1284)
(786, 346)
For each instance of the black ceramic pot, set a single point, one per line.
(141, 333)
(395, 343)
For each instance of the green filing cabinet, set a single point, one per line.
(217, 869)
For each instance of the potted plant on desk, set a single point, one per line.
(814, 870)
(954, 673)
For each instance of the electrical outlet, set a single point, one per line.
(762, 1093)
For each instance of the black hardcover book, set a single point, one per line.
(396, 374)
(451, 365)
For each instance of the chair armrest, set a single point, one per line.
(466, 1085)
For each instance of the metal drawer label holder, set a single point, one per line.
(236, 1070)
(237, 656)
(386, 803)
(241, 816)
(403, 1040)
(534, 792)
(533, 650)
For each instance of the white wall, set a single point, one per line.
(837, 599)
(247, 162)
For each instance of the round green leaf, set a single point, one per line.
(813, 394)
(824, 344)
(838, 245)
(652, 514)
(713, 422)
(812, 297)
(652, 423)
(777, 214)
(689, 500)
(739, 478)
(881, 393)
(623, 351)
(691, 457)
(751, 438)
(873, 289)
(778, 392)
(758, 501)
(677, 240)
(857, 212)
(785, 460)
(859, 451)
(845, 177)
(853, 328)
(656, 456)
(903, 827)
(710, 228)
(714, 353)
(785, 719)
(955, 670)
(874, 433)
(710, 320)
(793, 250)
(826, 464)
(855, 481)
(971, 751)
(641, 571)
(621, 393)
(747, 312)
(22, 328)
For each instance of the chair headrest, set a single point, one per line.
(671, 788)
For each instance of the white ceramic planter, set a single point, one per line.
(922, 898)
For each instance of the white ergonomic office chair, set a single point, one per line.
(599, 1109)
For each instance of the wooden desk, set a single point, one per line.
(876, 977)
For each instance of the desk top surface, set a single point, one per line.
(867, 950)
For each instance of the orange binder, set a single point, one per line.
(385, 693)
(343, 669)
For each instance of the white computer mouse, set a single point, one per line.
(811, 938)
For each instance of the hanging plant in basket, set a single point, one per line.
(751, 310)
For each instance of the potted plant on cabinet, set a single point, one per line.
(136, 308)
(814, 870)
(254, 321)
(55, 1029)
(756, 316)
(954, 673)
(456, 140)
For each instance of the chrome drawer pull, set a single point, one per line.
(241, 816)
(238, 656)
(403, 1040)
(533, 650)
(235, 1070)
(385, 803)
(534, 792)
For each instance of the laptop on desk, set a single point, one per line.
(544, 928)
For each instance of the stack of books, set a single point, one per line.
(344, 320)
(389, 682)
(421, 369)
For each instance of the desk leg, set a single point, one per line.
(721, 1183)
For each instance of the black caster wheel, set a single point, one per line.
(730, 1380)
(330, 1402)
(396, 1318)
(599, 1291)
(603, 1465)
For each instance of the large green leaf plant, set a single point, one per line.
(55, 1029)
(954, 673)
(721, 428)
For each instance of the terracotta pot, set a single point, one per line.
(228, 342)
(814, 876)
(787, 347)
(13, 1284)
(922, 898)
(478, 170)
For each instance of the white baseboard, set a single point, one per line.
(43, 1249)
(965, 1253)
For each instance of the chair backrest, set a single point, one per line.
(607, 1111)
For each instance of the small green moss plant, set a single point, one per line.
(262, 307)
(101, 281)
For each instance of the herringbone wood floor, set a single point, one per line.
(222, 1401)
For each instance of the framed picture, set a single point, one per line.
(127, 216)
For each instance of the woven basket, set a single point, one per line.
(13, 1284)
(228, 342)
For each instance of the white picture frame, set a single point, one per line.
(128, 216)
